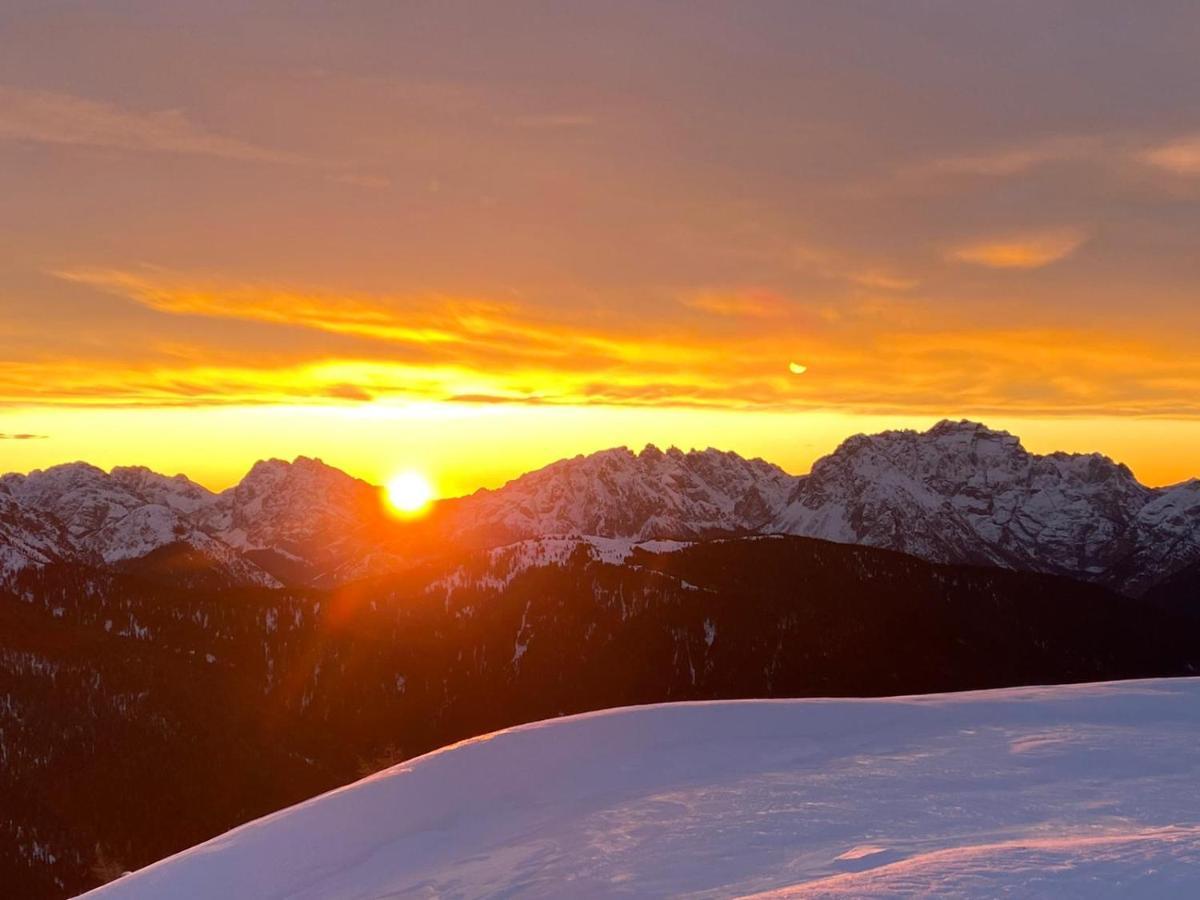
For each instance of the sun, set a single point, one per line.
(409, 493)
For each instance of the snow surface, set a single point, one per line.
(1084, 790)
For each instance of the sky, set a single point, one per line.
(473, 238)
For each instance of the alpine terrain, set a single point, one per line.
(166, 647)
(958, 493)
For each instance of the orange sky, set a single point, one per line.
(476, 240)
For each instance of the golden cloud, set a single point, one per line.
(745, 304)
(1025, 251)
(884, 280)
(438, 328)
(894, 357)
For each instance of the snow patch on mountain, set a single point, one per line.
(494, 569)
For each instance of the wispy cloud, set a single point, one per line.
(1029, 371)
(909, 356)
(1180, 156)
(1116, 151)
(1020, 158)
(838, 266)
(742, 304)
(1021, 251)
(883, 280)
(437, 327)
(53, 118)
(23, 437)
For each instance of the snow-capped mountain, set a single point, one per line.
(84, 514)
(959, 493)
(964, 493)
(620, 494)
(303, 521)
(1077, 791)
(298, 522)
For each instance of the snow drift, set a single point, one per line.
(1087, 790)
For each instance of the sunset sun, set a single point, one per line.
(409, 493)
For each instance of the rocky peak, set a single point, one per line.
(962, 492)
(175, 491)
(616, 493)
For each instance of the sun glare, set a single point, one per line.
(409, 493)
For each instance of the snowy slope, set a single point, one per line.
(28, 537)
(1085, 790)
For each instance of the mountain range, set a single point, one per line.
(957, 493)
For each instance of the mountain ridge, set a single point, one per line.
(959, 492)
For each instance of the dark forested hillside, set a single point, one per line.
(139, 716)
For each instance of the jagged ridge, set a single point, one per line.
(960, 493)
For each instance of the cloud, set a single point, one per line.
(414, 320)
(1021, 158)
(349, 392)
(744, 304)
(893, 355)
(1180, 156)
(1026, 251)
(52, 118)
(836, 266)
(1116, 151)
(883, 280)
(498, 399)
(23, 437)
(429, 328)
